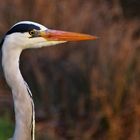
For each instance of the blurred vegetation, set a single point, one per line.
(6, 128)
(85, 90)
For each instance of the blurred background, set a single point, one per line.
(82, 91)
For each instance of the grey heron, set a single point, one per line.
(24, 35)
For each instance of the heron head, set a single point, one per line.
(27, 34)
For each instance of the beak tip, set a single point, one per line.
(92, 38)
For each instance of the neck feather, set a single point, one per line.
(23, 103)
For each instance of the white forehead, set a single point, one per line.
(31, 22)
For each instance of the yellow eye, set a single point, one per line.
(32, 32)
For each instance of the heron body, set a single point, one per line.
(24, 35)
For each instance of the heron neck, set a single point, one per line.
(22, 101)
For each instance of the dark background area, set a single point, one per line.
(82, 90)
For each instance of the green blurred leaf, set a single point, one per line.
(6, 128)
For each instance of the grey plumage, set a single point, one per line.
(24, 35)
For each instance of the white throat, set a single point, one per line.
(24, 107)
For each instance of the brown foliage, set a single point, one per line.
(88, 91)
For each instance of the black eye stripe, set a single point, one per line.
(22, 28)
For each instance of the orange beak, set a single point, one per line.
(56, 35)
